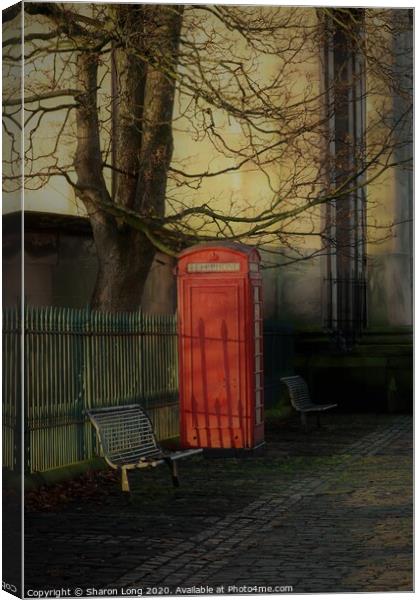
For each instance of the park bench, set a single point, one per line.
(128, 441)
(301, 401)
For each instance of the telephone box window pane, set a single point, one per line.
(212, 267)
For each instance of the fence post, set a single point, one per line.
(23, 442)
(142, 341)
(86, 367)
(12, 409)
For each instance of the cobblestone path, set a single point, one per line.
(326, 512)
(344, 529)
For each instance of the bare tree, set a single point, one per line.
(242, 83)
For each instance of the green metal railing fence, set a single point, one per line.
(75, 359)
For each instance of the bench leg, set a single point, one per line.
(172, 464)
(175, 479)
(125, 485)
(304, 421)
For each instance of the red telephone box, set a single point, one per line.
(220, 347)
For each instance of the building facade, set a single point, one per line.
(339, 278)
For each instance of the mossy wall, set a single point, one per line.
(377, 374)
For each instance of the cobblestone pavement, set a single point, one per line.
(326, 512)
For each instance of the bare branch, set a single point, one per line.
(40, 97)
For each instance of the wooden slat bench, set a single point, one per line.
(128, 441)
(301, 401)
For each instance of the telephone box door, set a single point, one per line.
(214, 341)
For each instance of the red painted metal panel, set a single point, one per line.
(215, 349)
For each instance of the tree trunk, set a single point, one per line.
(124, 264)
(143, 143)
